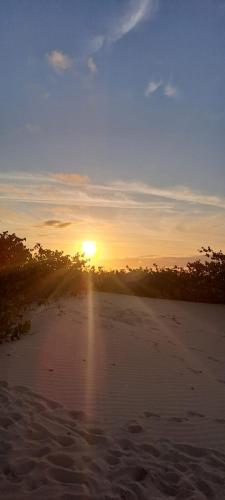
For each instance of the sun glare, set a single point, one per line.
(89, 248)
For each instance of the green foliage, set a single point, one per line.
(199, 281)
(32, 276)
(38, 275)
(11, 319)
(13, 251)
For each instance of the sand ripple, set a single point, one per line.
(51, 453)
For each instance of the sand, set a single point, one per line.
(115, 397)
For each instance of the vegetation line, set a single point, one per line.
(38, 275)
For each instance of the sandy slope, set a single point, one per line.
(49, 453)
(150, 377)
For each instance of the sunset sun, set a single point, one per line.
(89, 248)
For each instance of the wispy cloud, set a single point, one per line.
(134, 216)
(167, 219)
(170, 90)
(137, 12)
(97, 43)
(92, 65)
(177, 193)
(73, 188)
(56, 223)
(70, 178)
(51, 222)
(59, 61)
(152, 87)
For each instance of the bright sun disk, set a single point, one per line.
(89, 248)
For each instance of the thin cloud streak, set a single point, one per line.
(137, 12)
(179, 193)
(70, 178)
(56, 223)
(84, 200)
(152, 87)
(73, 188)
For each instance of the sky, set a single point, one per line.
(112, 126)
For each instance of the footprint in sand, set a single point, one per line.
(195, 414)
(221, 381)
(211, 358)
(65, 476)
(177, 357)
(61, 459)
(171, 342)
(132, 472)
(193, 451)
(196, 372)
(139, 474)
(4, 384)
(112, 460)
(155, 344)
(93, 438)
(195, 349)
(177, 419)
(14, 472)
(65, 441)
(175, 320)
(40, 452)
(116, 452)
(5, 422)
(150, 414)
(78, 415)
(149, 448)
(126, 444)
(135, 428)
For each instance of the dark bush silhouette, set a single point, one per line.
(199, 281)
(29, 276)
(13, 251)
(33, 276)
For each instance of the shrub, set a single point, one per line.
(38, 275)
(32, 276)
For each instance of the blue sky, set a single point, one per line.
(119, 92)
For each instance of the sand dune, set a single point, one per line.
(130, 404)
(48, 452)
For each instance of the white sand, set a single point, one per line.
(150, 377)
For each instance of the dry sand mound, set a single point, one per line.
(47, 452)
